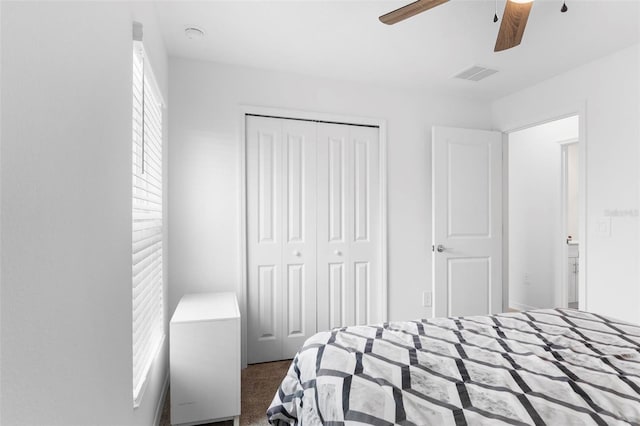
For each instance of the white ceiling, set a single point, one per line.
(344, 40)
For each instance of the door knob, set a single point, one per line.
(440, 248)
(296, 253)
(337, 253)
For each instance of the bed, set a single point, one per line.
(550, 366)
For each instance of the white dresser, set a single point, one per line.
(205, 359)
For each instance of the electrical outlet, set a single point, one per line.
(527, 280)
(426, 299)
(603, 226)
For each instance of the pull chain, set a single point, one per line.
(564, 7)
(495, 15)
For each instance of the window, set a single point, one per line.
(147, 289)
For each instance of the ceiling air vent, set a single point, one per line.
(475, 73)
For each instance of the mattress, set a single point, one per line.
(551, 366)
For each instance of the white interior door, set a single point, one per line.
(349, 247)
(281, 236)
(467, 221)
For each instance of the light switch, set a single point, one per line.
(426, 299)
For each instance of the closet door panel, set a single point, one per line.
(299, 224)
(264, 239)
(348, 226)
(335, 295)
(364, 241)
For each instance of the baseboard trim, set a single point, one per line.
(163, 396)
(521, 306)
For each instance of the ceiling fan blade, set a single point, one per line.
(409, 10)
(513, 23)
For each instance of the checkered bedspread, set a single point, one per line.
(554, 367)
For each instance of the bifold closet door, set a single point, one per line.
(281, 236)
(349, 243)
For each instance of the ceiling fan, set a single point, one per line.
(514, 19)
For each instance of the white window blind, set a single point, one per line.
(148, 330)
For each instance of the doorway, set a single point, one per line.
(543, 215)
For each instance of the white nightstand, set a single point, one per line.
(205, 359)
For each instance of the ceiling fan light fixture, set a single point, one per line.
(514, 19)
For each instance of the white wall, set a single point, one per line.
(66, 213)
(204, 166)
(535, 213)
(607, 90)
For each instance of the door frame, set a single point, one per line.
(581, 111)
(563, 299)
(243, 112)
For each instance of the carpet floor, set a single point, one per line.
(258, 386)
